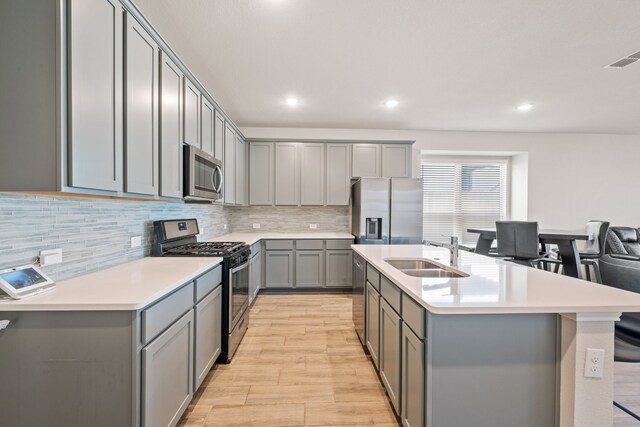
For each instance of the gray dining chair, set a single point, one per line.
(518, 242)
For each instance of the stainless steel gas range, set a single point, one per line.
(178, 238)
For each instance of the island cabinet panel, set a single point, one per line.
(312, 172)
(95, 94)
(338, 174)
(390, 353)
(208, 341)
(338, 267)
(396, 160)
(229, 166)
(191, 112)
(309, 268)
(413, 379)
(141, 110)
(366, 160)
(372, 319)
(261, 174)
(170, 128)
(279, 269)
(287, 173)
(167, 374)
(207, 124)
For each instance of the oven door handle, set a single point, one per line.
(239, 268)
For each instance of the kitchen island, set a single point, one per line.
(503, 345)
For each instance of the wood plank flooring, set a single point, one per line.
(300, 364)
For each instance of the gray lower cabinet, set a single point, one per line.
(338, 174)
(390, 353)
(167, 374)
(309, 268)
(413, 379)
(95, 95)
(279, 269)
(372, 319)
(338, 267)
(170, 128)
(191, 111)
(141, 113)
(261, 173)
(208, 320)
(229, 164)
(255, 271)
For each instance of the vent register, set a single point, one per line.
(627, 60)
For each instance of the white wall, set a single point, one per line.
(569, 178)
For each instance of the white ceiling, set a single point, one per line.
(453, 64)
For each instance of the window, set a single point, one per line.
(462, 193)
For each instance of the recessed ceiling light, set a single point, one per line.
(525, 107)
(392, 103)
(292, 102)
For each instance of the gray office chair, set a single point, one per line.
(518, 242)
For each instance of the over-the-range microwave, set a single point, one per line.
(202, 175)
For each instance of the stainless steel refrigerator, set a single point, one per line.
(386, 210)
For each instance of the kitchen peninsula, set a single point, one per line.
(440, 343)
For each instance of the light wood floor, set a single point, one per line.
(300, 364)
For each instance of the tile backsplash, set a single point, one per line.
(93, 233)
(289, 218)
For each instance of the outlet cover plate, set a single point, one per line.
(136, 241)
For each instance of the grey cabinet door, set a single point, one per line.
(413, 375)
(372, 323)
(287, 174)
(208, 334)
(191, 111)
(338, 174)
(95, 131)
(141, 107)
(366, 160)
(170, 128)
(338, 268)
(312, 170)
(279, 269)
(241, 171)
(229, 166)
(396, 160)
(390, 353)
(255, 276)
(218, 137)
(207, 123)
(309, 269)
(167, 374)
(261, 174)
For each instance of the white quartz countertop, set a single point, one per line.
(251, 238)
(129, 286)
(496, 286)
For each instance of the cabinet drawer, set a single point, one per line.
(391, 293)
(159, 316)
(256, 248)
(208, 282)
(309, 244)
(339, 244)
(279, 244)
(373, 277)
(414, 316)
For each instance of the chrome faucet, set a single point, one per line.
(454, 247)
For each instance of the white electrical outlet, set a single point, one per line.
(313, 226)
(256, 225)
(50, 257)
(136, 241)
(224, 227)
(202, 230)
(594, 363)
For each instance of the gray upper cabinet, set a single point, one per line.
(241, 170)
(191, 112)
(413, 374)
(261, 174)
(396, 160)
(312, 170)
(95, 95)
(208, 340)
(338, 174)
(141, 107)
(218, 137)
(390, 351)
(287, 191)
(167, 374)
(366, 160)
(338, 267)
(229, 165)
(170, 128)
(207, 123)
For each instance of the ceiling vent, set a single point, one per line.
(627, 60)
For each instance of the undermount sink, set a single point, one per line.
(423, 268)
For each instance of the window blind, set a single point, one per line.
(462, 194)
